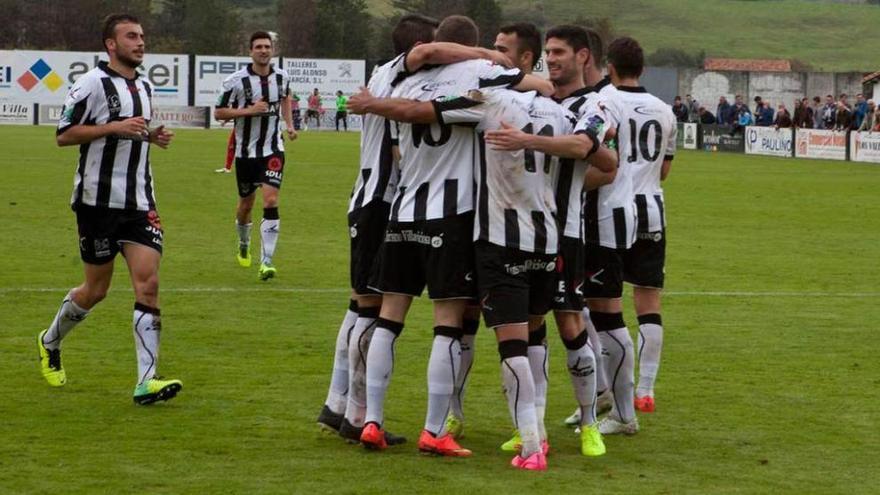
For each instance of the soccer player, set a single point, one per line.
(428, 234)
(611, 224)
(516, 243)
(107, 113)
(344, 409)
(650, 155)
(254, 97)
(341, 110)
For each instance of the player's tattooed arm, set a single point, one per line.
(397, 109)
(443, 53)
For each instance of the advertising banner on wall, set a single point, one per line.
(211, 70)
(864, 147)
(328, 75)
(721, 138)
(687, 136)
(769, 141)
(816, 143)
(181, 116)
(46, 76)
(49, 114)
(16, 113)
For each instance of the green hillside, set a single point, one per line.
(827, 35)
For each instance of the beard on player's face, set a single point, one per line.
(130, 60)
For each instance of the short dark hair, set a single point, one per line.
(597, 47)
(458, 29)
(677, 97)
(412, 29)
(528, 37)
(574, 36)
(627, 57)
(260, 35)
(110, 23)
(817, 99)
(843, 95)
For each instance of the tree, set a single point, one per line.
(297, 27)
(212, 27)
(342, 29)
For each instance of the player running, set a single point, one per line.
(254, 97)
(107, 113)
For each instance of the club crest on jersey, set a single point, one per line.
(353, 231)
(436, 241)
(249, 94)
(113, 105)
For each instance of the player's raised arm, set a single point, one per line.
(532, 82)
(397, 109)
(444, 53)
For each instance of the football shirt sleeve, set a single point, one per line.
(495, 76)
(464, 110)
(77, 105)
(227, 91)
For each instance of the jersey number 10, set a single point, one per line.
(642, 142)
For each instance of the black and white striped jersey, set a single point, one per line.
(516, 204)
(256, 136)
(609, 211)
(437, 160)
(647, 139)
(114, 171)
(377, 177)
(570, 180)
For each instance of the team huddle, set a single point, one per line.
(509, 196)
(505, 194)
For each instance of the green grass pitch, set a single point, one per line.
(769, 380)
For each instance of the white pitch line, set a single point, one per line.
(331, 290)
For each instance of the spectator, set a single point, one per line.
(876, 120)
(783, 118)
(829, 113)
(743, 117)
(693, 108)
(764, 114)
(680, 111)
(859, 111)
(738, 107)
(706, 116)
(817, 113)
(843, 119)
(843, 99)
(868, 120)
(803, 114)
(722, 113)
(759, 104)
